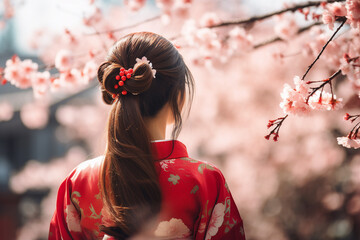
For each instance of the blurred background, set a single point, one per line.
(305, 186)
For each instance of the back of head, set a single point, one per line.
(128, 180)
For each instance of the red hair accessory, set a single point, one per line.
(127, 74)
(121, 77)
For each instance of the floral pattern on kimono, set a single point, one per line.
(197, 203)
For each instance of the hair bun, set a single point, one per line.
(141, 78)
(138, 81)
(107, 73)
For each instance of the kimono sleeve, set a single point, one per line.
(219, 217)
(65, 223)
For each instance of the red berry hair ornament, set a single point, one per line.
(127, 74)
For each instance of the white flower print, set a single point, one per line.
(217, 219)
(106, 237)
(164, 164)
(72, 218)
(175, 228)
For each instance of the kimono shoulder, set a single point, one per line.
(198, 200)
(87, 172)
(78, 206)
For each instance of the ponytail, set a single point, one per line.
(129, 182)
(128, 179)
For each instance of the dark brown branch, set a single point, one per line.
(277, 39)
(353, 134)
(343, 19)
(321, 87)
(354, 131)
(277, 125)
(126, 27)
(268, 15)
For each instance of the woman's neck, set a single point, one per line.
(157, 125)
(156, 128)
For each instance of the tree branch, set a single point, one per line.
(321, 87)
(277, 39)
(268, 15)
(343, 19)
(126, 27)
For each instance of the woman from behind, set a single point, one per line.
(145, 187)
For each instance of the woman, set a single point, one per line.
(145, 187)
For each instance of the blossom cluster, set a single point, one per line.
(341, 54)
(297, 101)
(350, 9)
(26, 73)
(209, 42)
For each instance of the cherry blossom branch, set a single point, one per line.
(343, 19)
(276, 123)
(269, 15)
(279, 121)
(125, 27)
(353, 134)
(321, 87)
(277, 39)
(330, 104)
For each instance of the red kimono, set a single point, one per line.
(197, 203)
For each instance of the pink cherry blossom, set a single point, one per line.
(329, 19)
(349, 143)
(89, 71)
(188, 30)
(181, 9)
(135, 5)
(94, 17)
(240, 40)
(8, 9)
(165, 5)
(207, 42)
(70, 79)
(146, 61)
(34, 115)
(353, 12)
(6, 111)
(64, 60)
(294, 99)
(345, 66)
(40, 83)
(209, 19)
(19, 72)
(337, 9)
(286, 27)
(351, 70)
(55, 85)
(326, 102)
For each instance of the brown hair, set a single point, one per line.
(128, 179)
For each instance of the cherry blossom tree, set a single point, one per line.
(241, 64)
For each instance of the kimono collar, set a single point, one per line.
(169, 149)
